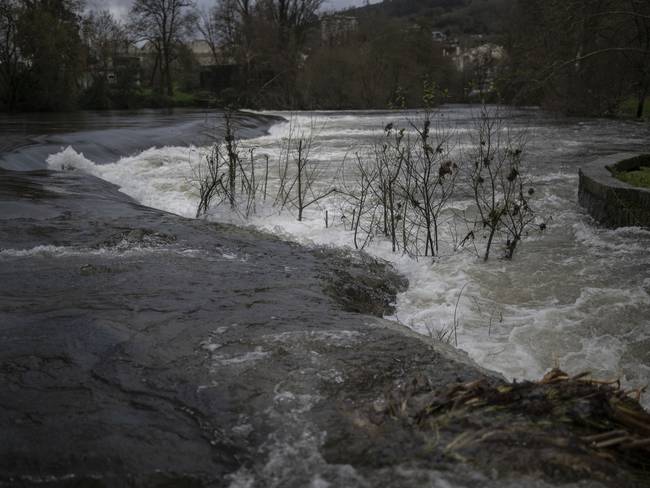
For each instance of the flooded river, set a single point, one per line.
(576, 295)
(149, 347)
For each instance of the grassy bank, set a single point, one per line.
(112, 98)
(628, 107)
(639, 177)
(149, 99)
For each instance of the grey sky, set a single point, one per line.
(121, 7)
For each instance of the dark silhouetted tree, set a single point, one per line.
(163, 24)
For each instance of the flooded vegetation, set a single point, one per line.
(259, 351)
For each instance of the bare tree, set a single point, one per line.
(358, 190)
(218, 172)
(222, 26)
(229, 22)
(298, 176)
(9, 52)
(581, 56)
(207, 177)
(234, 162)
(389, 157)
(497, 182)
(163, 24)
(265, 38)
(210, 30)
(401, 188)
(305, 178)
(291, 17)
(105, 37)
(430, 177)
(640, 13)
(518, 214)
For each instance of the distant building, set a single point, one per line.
(439, 36)
(202, 52)
(487, 54)
(452, 50)
(336, 29)
(482, 63)
(121, 66)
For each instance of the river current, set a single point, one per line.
(575, 296)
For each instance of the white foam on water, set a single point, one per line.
(70, 160)
(43, 250)
(158, 177)
(339, 338)
(235, 359)
(118, 251)
(611, 241)
(576, 295)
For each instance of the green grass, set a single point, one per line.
(628, 107)
(183, 99)
(148, 98)
(639, 177)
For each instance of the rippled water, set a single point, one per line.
(577, 295)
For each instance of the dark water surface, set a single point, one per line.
(27, 139)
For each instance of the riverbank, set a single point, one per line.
(609, 198)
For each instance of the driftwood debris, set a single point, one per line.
(561, 423)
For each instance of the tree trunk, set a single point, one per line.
(391, 210)
(641, 102)
(168, 78)
(300, 167)
(153, 71)
(489, 244)
(511, 247)
(435, 233)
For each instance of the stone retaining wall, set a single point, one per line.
(610, 201)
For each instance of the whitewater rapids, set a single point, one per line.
(576, 296)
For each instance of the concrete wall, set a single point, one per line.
(610, 201)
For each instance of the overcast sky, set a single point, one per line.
(121, 7)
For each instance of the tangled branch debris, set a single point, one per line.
(559, 424)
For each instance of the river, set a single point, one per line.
(141, 346)
(576, 295)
